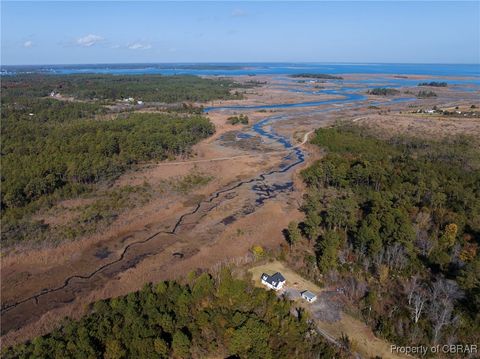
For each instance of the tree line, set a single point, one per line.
(151, 88)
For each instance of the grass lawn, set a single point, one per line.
(293, 280)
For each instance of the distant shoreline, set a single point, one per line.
(248, 69)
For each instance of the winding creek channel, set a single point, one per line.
(17, 314)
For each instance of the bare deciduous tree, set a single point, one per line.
(417, 305)
(396, 257)
(424, 243)
(354, 288)
(441, 310)
(422, 226)
(417, 297)
(410, 286)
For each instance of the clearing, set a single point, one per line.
(363, 340)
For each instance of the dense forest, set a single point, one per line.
(149, 88)
(54, 148)
(226, 317)
(396, 224)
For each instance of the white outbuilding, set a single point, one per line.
(309, 296)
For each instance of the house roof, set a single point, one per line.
(278, 277)
(273, 280)
(308, 294)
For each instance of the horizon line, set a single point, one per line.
(244, 63)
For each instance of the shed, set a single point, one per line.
(309, 296)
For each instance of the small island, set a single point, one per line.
(382, 91)
(234, 120)
(317, 76)
(426, 94)
(433, 84)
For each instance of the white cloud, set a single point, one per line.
(89, 40)
(139, 46)
(28, 44)
(239, 13)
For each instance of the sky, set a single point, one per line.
(84, 32)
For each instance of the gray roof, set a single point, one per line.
(278, 277)
(273, 279)
(308, 294)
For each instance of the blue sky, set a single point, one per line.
(114, 32)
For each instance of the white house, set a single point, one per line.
(309, 296)
(274, 282)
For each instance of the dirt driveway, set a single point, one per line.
(327, 312)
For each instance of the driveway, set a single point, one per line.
(291, 293)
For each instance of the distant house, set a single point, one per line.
(274, 282)
(309, 296)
